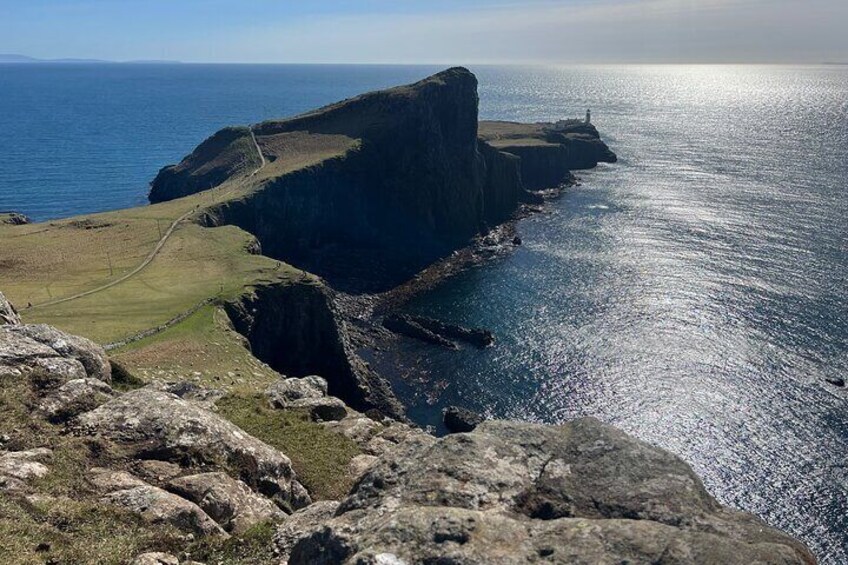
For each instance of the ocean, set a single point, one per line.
(695, 294)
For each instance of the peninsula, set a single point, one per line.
(216, 408)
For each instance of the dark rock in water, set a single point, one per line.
(477, 337)
(405, 325)
(512, 492)
(13, 219)
(436, 332)
(517, 240)
(836, 381)
(461, 420)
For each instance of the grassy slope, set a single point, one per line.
(512, 134)
(40, 263)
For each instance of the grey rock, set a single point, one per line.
(359, 465)
(158, 506)
(109, 480)
(461, 420)
(8, 314)
(300, 524)
(229, 502)
(43, 341)
(25, 465)
(159, 471)
(190, 391)
(75, 397)
(163, 426)
(155, 558)
(308, 393)
(509, 492)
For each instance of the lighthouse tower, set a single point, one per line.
(588, 116)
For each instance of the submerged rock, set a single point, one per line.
(160, 425)
(512, 492)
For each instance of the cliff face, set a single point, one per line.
(297, 331)
(227, 153)
(417, 185)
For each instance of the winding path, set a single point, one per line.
(152, 255)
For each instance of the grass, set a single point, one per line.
(319, 456)
(202, 348)
(65, 522)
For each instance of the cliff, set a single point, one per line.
(548, 152)
(405, 181)
(94, 469)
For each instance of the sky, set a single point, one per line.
(430, 31)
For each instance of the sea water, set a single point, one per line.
(695, 294)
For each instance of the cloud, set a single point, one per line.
(602, 31)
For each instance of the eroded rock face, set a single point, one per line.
(160, 425)
(302, 523)
(8, 314)
(308, 393)
(461, 420)
(516, 493)
(53, 350)
(229, 502)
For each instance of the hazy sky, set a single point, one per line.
(429, 31)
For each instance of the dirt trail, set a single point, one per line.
(152, 255)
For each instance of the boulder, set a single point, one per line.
(360, 464)
(75, 397)
(461, 420)
(160, 425)
(300, 524)
(25, 344)
(8, 314)
(109, 480)
(155, 558)
(158, 506)
(229, 502)
(308, 393)
(25, 465)
(513, 492)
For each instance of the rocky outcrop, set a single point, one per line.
(41, 344)
(461, 420)
(517, 493)
(309, 394)
(8, 314)
(229, 502)
(437, 332)
(297, 330)
(549, 152)
(13, 219)
(25, 465)
(160, 425)
(75, 397)
(158, 506)
(57, 356)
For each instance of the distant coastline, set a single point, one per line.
(11, 58)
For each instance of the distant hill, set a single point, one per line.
(24, 59)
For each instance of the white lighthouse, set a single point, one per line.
(588, 116)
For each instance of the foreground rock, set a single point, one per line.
(461, 420)
(229, 502)
(75, 397)
(62, 356)
(160, 425)
(518, 493)
(158, 506)
(308, 393)
(8, 314)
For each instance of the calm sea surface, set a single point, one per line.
(695, 294)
